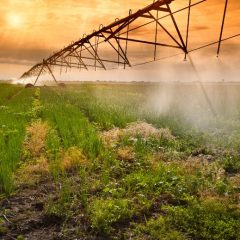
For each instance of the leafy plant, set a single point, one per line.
(105, 213)
(232, 164)
(207, 220)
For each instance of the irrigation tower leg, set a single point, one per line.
(50, 71)
(40, 72)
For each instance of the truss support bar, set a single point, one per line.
(165, 30)
(103, 60)
(146, 16)
(127, 23)
(126, 45)
(156, 37)
(120, 48)
(94, 56)
(178, 31)
(76, 65)
(80, 60)
(147, 42)
(161, 9)
(222, 28)
(188, 26)
(40, 72)
(122, 54)
(50, 71)
(69, 65)
(213, 43)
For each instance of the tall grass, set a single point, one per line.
(8, 91)
(14, 115)
(72, 127)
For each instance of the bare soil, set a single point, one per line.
(23, 213)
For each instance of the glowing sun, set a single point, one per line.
(14, 20)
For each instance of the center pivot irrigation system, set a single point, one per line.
(85, 53)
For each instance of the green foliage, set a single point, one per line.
(60, 207)
(154, 182)
(3, 229)
(207, 220)
(232, 164)
(53, 144)
(105, 213)
(20, 237)
(127, 189)
(73, 127)
(13, 120)
(158, 229)
(53, 152)
(36, 106)
(6, 183)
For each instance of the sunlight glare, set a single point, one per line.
(14, 20)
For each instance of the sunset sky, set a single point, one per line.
(33, 29)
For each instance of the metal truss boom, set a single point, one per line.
(86, 53)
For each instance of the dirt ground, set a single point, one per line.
(24, 216)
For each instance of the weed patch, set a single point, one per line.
(105, 213)
(34, 145)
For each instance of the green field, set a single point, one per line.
(120, 161)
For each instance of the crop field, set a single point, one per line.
(120, 161)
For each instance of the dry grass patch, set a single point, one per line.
(235, 183)
(235, 180)
(126, 153)
(135, 129)
(32, 172)
(147, 130)
(36, 136)
(36, 166)
(73, 158)
(158, 158)
(195, 164)
(111, 137)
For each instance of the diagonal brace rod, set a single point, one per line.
(96, 54)
(222, 27)
(169, 34)
(178, 31)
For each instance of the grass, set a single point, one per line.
(14, 112)
(183, 184)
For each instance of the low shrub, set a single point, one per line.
(105, 213)
(158, 229)
(207, 220)
(232, 164)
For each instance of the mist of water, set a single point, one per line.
(200, 89)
